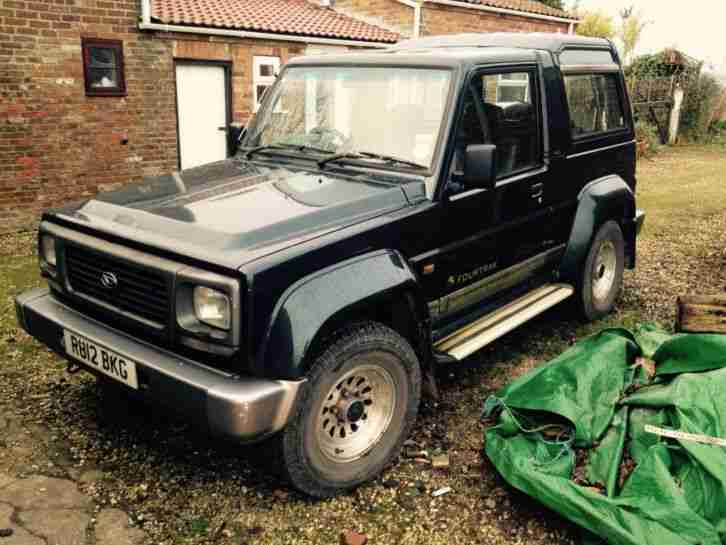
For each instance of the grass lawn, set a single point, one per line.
(182, 488)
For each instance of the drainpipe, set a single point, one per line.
(145, 12)
(416, 6)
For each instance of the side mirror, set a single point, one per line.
(234, 136)
(480, 166)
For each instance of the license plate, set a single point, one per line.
(102, 359)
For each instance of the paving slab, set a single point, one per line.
(112, 528)
(57, 526)
(39, 492)
(20, 536)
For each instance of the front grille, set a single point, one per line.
(141, 292)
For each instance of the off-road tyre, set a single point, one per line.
(601, 277)
(305, 458)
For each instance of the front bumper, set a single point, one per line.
(241, 408)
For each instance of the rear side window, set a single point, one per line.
(595, 105)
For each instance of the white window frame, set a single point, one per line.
(502, 81)
(258, 79)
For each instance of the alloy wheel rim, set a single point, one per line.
(603, 272)
(356, 413)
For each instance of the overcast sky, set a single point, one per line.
(697, 27)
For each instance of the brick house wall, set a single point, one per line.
(58, 145)
(440, 19)
(387, 13)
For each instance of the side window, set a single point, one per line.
(511, 117)
(506, 117)
(594, 103)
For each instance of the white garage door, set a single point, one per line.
(202, 112)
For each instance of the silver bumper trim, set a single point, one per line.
(243, 408)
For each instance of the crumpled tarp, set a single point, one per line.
(571, 434)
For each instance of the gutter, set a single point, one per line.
(146, 24)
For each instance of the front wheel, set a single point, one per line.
(602, 275)
(353, 413)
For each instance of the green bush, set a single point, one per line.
(647, 132)
(717, 133)
(702, 92)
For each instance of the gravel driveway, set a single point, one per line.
(177, 487)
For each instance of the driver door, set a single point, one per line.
(491, 240)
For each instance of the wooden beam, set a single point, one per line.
(701, 314)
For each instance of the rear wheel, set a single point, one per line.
(353, 413)
(602, 275)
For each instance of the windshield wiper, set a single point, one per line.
(369, 155)
(296, 147)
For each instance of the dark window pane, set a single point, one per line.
(102, 57)
(267, 70)
(261, 89)
(594, 103)
(103, 77)
(585, 56)
(103, 67)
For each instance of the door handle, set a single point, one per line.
(222, 128)
(537, 191)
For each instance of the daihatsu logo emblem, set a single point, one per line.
(109, 280)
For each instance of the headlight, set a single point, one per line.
(212, 307)
(47, 249)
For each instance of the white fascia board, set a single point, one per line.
(162, 27)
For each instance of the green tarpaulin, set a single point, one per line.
(572, 434)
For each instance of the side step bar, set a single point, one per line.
(490, 327)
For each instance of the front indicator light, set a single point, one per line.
(47, 249)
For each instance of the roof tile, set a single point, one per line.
(299, 17)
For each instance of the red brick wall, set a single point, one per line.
(444, 19)
(386, 13)
(56, 144)
(440, 19)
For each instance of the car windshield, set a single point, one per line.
(393, 112)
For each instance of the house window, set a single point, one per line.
(595, 104)
(264, 72)
(103, 67)
(513, 87)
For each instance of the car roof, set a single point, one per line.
(551, 42)
(462, 49)
(446, 58)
